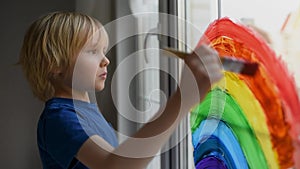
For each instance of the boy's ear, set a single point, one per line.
(56, 72)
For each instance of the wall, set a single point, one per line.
(19, 109)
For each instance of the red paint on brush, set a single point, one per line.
(273, 85)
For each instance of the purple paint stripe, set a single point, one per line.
(211, 163)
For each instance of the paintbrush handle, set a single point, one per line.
(229, 63)
(182, 55)
(176, 53)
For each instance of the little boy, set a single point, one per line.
(63, 58)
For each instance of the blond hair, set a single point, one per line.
(50, 43)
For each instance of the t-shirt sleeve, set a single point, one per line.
(64, 134)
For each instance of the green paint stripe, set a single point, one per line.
(212, 106)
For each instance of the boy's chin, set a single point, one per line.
(99, 89)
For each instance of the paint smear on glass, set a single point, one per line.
(266, 93)
(273, 86)
(253, 112)
(233, 116)
(222, 143)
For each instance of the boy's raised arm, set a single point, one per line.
(202, 69)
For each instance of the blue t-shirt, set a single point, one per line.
(64, 126)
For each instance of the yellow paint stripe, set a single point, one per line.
(253, 112)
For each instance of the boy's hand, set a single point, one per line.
(202, 69)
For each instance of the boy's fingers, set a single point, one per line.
(210, 63)
(204, 50)
(205, 61)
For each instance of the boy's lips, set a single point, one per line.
(103, 75)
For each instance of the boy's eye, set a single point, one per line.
(105, 50)
(93, 51)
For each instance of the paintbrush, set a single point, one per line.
(229, 63)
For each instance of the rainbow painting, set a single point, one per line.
(247, 121)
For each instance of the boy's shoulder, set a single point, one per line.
(59, 103)
(57, 108)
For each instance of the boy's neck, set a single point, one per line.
(72, 94)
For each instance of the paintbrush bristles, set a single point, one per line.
(239, 65)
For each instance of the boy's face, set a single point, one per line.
(90, 66)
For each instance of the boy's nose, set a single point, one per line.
(104, 62)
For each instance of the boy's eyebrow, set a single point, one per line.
(96, 43)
